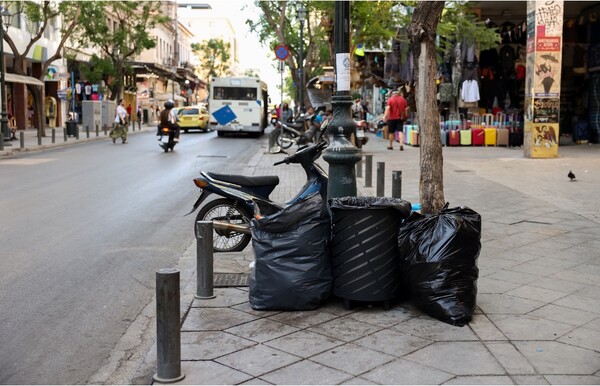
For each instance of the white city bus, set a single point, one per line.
(238, 104)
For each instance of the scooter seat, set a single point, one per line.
(295, 125)
(246, 180)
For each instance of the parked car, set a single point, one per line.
(193, 117)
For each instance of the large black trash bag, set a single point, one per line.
(293, 263)
(438, 261)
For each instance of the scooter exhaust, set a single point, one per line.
(228, 227)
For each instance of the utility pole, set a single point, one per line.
(341, 154)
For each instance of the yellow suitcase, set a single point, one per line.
(490, 137)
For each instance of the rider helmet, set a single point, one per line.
(169, 104)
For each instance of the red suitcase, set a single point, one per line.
(453, 138)
(478, 137)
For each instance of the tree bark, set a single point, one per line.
(422, 33)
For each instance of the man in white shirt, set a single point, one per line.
(120, 126)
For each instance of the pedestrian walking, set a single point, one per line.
(139, 117)
(394, 116)
(129, 111)
(120, 125)
(12, 124)
(357, 110)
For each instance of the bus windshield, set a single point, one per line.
(235, 93)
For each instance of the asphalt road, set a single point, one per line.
(84, 229)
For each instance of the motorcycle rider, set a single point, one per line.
(168, 119)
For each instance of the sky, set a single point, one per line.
(252, 53)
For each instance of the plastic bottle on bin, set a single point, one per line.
(416, 206)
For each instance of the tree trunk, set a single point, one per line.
(39, 116)
(422, 33)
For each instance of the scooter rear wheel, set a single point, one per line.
(225, 210)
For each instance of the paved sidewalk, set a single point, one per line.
(538, 314)
(31, 142)
(538, 307)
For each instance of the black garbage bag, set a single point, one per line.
(438, 261)
(292, 268)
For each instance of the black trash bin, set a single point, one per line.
(145, 116)
(72, 129)
(365, 248)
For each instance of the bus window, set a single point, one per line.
(235, 93)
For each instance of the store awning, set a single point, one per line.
(8, 77)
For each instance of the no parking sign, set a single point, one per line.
(282, 52)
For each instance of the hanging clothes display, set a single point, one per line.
(470, 91)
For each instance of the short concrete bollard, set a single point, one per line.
(368, 170)
(168, 330)
(397, 184)
(87, 131)
(380, 179)
(204, 260)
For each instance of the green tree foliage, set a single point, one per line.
(119, 42)
(214, 58)
(39, 18)
(374, 24)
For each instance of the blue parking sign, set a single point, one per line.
(224, 115)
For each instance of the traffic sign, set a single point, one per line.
(282, 52)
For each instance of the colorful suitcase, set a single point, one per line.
(478, 137)
(515, 138)
(453, 124)
(444, 137)
(487, 120)
(490, 136)
(475, 122)
(414, 138)
(465, 137)
(502, 137)
(406, 135)
(454, 138)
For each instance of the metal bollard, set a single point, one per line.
(359, 168)
(39, 138)
(105, 129)
(22, 139)
(87, 131)
(368, 170)
(77, 133)
(397, 184)
(380, 179)
(65, 134)
(97, 131)
(168, 331)
(204, 260)
(53, 135)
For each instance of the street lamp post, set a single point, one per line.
(4, 23)
(341, 155)
(301, 19)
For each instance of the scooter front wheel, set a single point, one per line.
(225, 210)
(284, 139)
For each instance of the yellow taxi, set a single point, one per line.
(193, 117)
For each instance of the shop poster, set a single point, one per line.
(544, 63)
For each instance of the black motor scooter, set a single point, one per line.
(166, 138)
(232, 212)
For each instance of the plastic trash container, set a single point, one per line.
(72, 129)
(365, 247)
